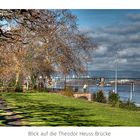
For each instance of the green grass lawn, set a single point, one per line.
(48, 109)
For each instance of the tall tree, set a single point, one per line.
(39, 42)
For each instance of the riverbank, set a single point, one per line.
(47, 109)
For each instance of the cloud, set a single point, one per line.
(122, 61)
(127, 52)
(101, 50)
(123, 28)
(123, 39)
(134, 17)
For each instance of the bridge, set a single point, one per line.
(89, 96)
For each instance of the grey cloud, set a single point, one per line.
(129, 52)
(101, 50)
(134, 17)
(122, 39)
(123, 29)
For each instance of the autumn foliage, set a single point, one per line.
(40, 42)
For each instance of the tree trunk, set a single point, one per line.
(17, 79)
(65, 83)
(17, 69)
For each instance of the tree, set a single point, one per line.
(40, 42)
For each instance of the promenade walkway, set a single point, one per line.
(7, 116)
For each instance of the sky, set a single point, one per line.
(117, 35)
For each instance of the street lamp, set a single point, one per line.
(116, 74)
(88, 61)
(131, 91)
(87, 69)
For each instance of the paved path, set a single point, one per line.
(8, 117)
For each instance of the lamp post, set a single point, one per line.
(116, 75)
(131, 91)
(87, 69)
(88, 60)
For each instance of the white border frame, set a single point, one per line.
(69, 4)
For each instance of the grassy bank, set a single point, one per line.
(46, 109)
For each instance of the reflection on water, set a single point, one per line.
(123, 91)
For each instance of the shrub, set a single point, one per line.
(128, 105)
(94, 96)
(113, 98)
(18, 89)
(68, 92)
(100, 97)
